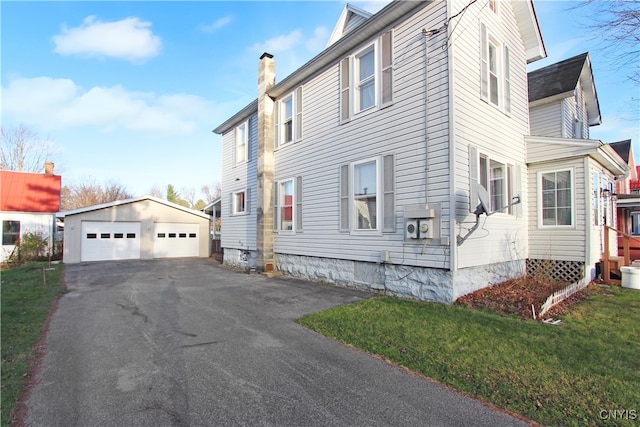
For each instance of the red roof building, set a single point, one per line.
(30, 192)
(635, 184)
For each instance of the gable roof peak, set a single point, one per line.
(350, 18)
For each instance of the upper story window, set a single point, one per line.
(241, 144)
(367, 195)
(289, 118)
(366, 78)
(556, 198)
(635, 223)
(495, 71)
(10, 232)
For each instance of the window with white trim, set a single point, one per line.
(497, 178)
(366, 78)
(493, 6)
(239, 202)
(289, 118)
(495, 71)
(241, 143)
(367, 195)
(10, 232)
(285, 212)
(556, 198)
(596, 198)
(288, 205)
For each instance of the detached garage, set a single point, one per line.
(140, 228)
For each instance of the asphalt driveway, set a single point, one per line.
(189, 343)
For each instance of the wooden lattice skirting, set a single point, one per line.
(565, 271)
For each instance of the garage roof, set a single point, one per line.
(127, 201)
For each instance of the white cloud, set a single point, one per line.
(129, 39)
(281, 43)
(54, 104)
(217, 24)
(319, 40)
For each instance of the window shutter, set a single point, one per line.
(518, 191)
(276, 123)
(484, 63)
(344, 198)
(473, 178)
(234, 137)
(345, 95)
(247, 145)
(231, 200)
(387, 68)
(247, 201)
(298, 102)
(276, 214)
(388, 200)
(507, 81)
(299, 203)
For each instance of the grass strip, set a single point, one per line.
(25, 305)
(585, 371)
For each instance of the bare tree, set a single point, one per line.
(212, 192)
(616, 25)
(156, 191)
(22, 149)
(88, 193)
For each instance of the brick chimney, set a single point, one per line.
(48, 168)
(265, 261)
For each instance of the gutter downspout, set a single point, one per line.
(589, 223)
(453, 245)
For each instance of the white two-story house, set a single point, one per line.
(364, 166)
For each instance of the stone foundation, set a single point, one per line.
(426, 284)
(240, 258)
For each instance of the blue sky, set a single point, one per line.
(130, 91)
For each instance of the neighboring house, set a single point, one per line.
(138, 228)
(28, 203)
(572, 177)
(362, 167)
(628, 201)
(214, 210)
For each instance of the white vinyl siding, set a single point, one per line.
(479, 127)
(397, 131)
(546, 120)
(239, 231)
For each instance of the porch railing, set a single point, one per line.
(608, 261)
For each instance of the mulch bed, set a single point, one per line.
(516, 296)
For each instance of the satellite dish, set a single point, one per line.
(485, 201)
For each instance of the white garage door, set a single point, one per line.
(110, 241)
(172, 240)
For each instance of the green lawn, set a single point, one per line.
(576, 373)
(25, 305)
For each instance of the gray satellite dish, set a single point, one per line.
(485, 201)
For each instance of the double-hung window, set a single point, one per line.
(366, 78)
(289, 118)
(288, 205)
(501, 181)
(495, 71)
(556, 198)
(239, 203)
(10, 232)
(241, 143)
(367, 195)
(497, 178)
